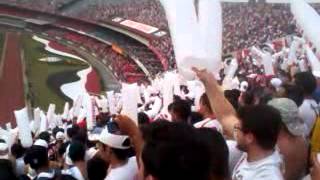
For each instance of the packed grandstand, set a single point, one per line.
(116, 90)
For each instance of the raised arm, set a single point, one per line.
(223, 110)
(128, 127)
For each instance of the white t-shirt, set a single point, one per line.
(209, 123)
(268, 168)
(20, 166)
(125, 172)
(74, 172)
(308, 114)
(234, 153)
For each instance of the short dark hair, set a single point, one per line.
(73, 130)
(81, 136)
(7, 170)
(181, 108)
(204, 100)
(307, 81)
(294, 92)
(17, 150)
(36, 157)
(45, 136)
(97, 169)
(219, 152)
(143, 118)
(172, 152)
(232, 96)
(263, 121)
(77, 151)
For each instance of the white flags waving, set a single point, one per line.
(197, 40)
(24, 128)
(308, 19)
(130, 98)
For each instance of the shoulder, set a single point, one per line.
(269, 173)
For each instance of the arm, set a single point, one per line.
(128, 127)
(315, 173)
(223, 110)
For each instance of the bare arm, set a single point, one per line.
(223, 110)
(128, 127)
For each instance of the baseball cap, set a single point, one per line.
(290, 115)
(60, 136)
(41, 142)
(113, 140)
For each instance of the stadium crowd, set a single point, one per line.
(259, 22)
(262, 126)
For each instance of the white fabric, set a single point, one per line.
(74, 89)
(313, 60)
(90, 116)
(24, 128)
(209, 123)
(197, 41)
(113, 140)
(234, 153)
(268, 168)
(20, 166)
(41, 142)
(308, 114)
(65, 111)
(130, 97)
(74, 172)
(37, 120)
(308, 19)
(125, 172)
(111, 102)
(155, 108)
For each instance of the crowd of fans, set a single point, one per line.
(124, 68)
(264, 126)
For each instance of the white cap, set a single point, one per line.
(60, 136)
(276, 82)
(41, 142)
(244, 86)
(90, 153)
(112, 140)
(316, 74)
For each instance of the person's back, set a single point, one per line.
(308, 112)
(291, 141)
(295, 156)
(124, 172)
(268, 168)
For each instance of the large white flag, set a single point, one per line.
(197, 40)
(308, 19)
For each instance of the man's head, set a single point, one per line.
(45, 136)
(37, 157)
(293, 92)
(180, 111)
(97, 169)
(307, 81)
(258, 126)
(113, 146)
(77, 151)
(178, 151)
